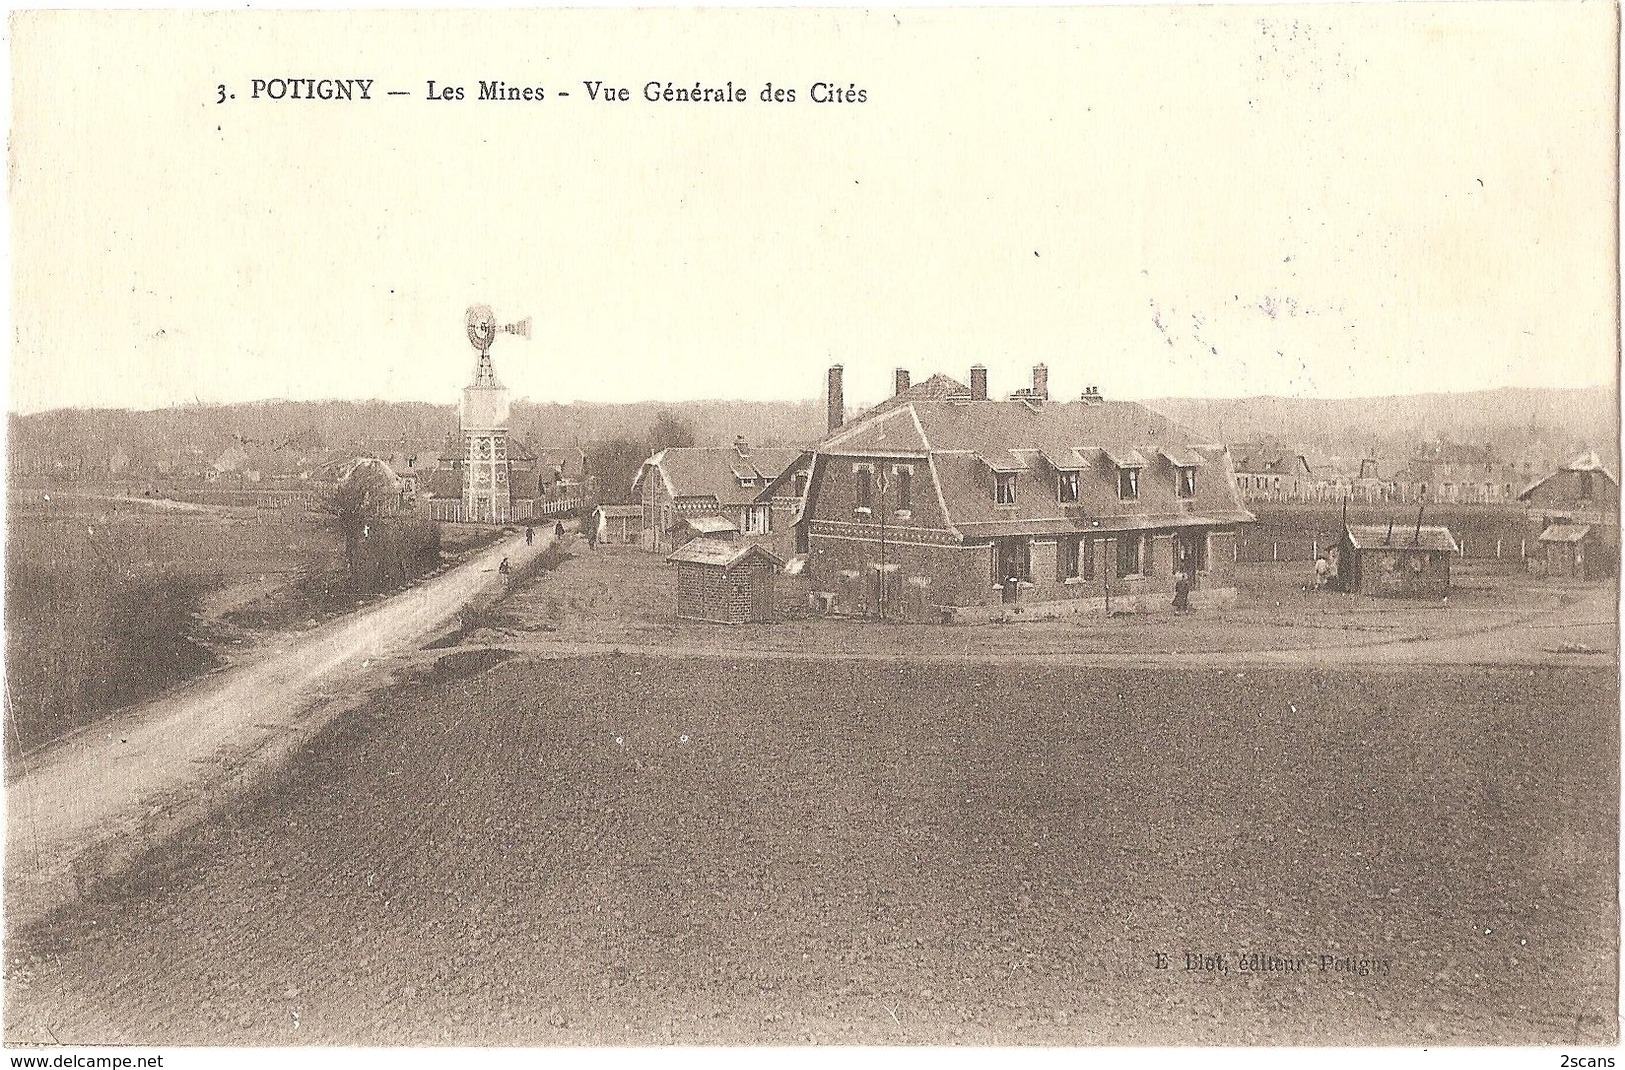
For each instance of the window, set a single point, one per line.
(1012, 559)
(801, 484)
(1069, 488)
(1004, 488)
(1190, 553)
(1128, 554)
(1128, 484)
(1185, 480)
(905, 487)
(756, 520)
(863, 478)
(1075, 557)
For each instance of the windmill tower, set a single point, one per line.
(484, 419)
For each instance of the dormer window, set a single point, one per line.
(1185, 482)
(1004, 488)
(1128, 484)
(1069, 488)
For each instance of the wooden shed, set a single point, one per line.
(1576, 552)
(618, 525)
(1389, 561)
(725, 581)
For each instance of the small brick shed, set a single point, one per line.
(725, 581)
(1391, 561)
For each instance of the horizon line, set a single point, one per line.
(199, 404)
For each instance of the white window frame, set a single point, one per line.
(1181, 473)
(1073, 480)
(1133, 485)
(757, 520)
(1001, 481)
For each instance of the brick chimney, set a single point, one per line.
(899, 380)
(1040, 382)
(978, 382)
(835, 400)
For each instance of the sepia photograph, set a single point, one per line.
(812, 528)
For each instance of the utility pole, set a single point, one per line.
(880, 509)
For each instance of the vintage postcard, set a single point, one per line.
(591, 528)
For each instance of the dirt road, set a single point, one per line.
(79, 799)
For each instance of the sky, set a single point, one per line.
(1336, 201)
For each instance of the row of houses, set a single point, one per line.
(1443, 473)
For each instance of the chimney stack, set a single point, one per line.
(978, 382)
(1091, 395)
(741, 446)
(1040, 382)
(835, 400)
(899, 380)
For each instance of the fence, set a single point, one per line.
(1298, 532)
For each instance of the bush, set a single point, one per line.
(83, 642)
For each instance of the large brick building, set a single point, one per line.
(942, 503)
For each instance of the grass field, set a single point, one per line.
(649, 850)
(624, 596)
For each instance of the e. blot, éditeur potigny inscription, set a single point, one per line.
(594, 91)
(1263, 962)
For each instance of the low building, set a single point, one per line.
(725, 581)
(944, 504)
(618, 525)
(729, 483)
(1389, 561)
(1573, 552)
(1582, 494)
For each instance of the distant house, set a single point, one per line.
(1573, 514)
(562, 473)
(949, 504)
(1396, 561)
(1270, 473)
(729, 484)
(1273, 473)
(725, 581)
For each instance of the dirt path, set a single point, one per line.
(78, 800)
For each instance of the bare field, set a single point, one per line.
(651, 850)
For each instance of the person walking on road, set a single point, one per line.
(558, 530)
(530, 534)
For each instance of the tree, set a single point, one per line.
(358, 502)
(614, 464)
(669, 430)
